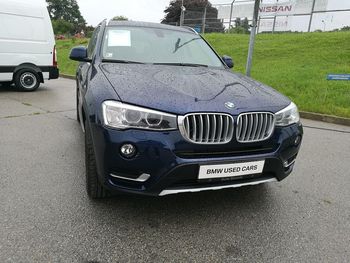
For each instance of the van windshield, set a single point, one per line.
(157, 46)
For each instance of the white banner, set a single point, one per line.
(271, 8)
(277, 9)
(282, 23)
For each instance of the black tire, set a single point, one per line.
(93, 186)
(27, 80)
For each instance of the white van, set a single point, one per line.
(27, 44)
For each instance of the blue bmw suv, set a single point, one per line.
(162, 114)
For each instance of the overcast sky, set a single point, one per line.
(94, 11)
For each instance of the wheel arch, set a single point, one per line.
(29, 66)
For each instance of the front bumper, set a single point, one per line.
(167, 164)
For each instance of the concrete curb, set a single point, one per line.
(325, 118)
(303, 114)
(67, 76)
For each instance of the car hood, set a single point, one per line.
(182, 90)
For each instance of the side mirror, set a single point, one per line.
(79, 54)
(228, 61)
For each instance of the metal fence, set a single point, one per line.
(289, 15)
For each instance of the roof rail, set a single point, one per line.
(190, 29)
(103, 21)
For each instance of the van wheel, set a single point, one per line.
(27, 80)
(93, 186)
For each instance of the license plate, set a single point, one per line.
(230, 170)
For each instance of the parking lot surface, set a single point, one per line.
(46, 216)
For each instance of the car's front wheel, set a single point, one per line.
(93, 186)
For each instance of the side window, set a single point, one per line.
(93, 42)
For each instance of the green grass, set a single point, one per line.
(64, 47)
(295, 64)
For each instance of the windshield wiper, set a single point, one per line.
(121, 61)
(182, 64)
(178, 46)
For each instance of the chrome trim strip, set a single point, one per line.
(142, 178)
(290, 164)
(194, 190)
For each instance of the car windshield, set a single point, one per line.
(157, 46)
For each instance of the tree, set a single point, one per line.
(120, 18)
(61, 27)
(67, 10)
(241, 26)
(194, 15)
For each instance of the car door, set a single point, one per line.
(84, 72)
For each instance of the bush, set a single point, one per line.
(345, 28)
(61, 27)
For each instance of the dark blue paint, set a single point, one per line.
(166, 156)
(78, 54)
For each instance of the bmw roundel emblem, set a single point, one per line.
(229, 105)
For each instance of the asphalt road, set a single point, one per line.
(46, 216)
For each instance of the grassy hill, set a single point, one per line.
(295, 64)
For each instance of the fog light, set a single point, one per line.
(297, 140)
(128, 150)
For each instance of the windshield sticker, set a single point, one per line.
(119, 38)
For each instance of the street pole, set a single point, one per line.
(274, 22)
(231, 12)
(204, 19)
(182, 16)
(312, 13)
(252, 37)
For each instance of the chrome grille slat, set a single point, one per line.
(256, 123)
(207, 128)
(261, 116)
(201, 127)
(226, 127)
(187, 126)
(263, 132)
(218, 137)
(194, 125)
(255, 126)
(214, 129)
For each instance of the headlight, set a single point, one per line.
(123, 116)
(288, 115)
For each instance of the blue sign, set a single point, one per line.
(338, 77)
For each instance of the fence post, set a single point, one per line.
(252, 37)
(311, 15)
(231, 12)
(274, 25)
(182, 16)
(204, 19)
